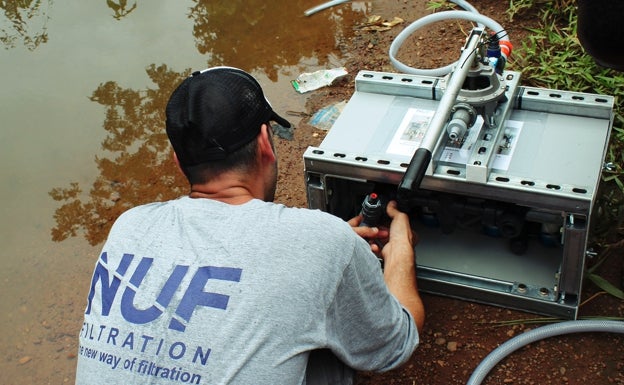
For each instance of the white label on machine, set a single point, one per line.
(411, 131)
(413, 127)
(458, 152)
(507, 145)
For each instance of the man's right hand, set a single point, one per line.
(401, 239)
(400, 264)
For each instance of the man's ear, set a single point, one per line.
(177, 162)
(265, 143)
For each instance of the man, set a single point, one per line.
(225, 287)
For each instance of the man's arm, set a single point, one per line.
(400, 264)
(399, 259)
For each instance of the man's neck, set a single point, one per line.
(231, 188)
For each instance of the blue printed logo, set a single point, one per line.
(193, 296)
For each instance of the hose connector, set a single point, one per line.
(463, 116)
(372, 210)
(498, 52)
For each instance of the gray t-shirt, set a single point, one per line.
(195, 291)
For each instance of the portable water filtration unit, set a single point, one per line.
(499, 180)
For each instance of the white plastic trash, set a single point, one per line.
(314, 80)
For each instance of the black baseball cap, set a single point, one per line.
(214, 112)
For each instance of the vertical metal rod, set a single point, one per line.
(422, 157)
(455, 83)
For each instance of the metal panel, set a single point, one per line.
(545, 167)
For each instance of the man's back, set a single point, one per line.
(198, 291)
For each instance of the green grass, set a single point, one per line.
(551, 56)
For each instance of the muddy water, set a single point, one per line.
(83, 87)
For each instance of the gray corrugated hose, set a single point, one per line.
(567, 327)
(471, 15)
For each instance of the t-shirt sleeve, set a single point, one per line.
(367, 328)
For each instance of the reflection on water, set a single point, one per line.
(121, 8)
(25, 22)
(83, 123)
(141, 169)
(259, 35)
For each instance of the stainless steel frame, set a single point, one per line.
(543, 160)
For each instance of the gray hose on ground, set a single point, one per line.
(471, 15)
(584, 326)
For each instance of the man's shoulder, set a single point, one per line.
(317, 224)
(314, 215)
(143, 208)
(144, 212)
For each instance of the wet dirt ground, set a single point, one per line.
(459, 334)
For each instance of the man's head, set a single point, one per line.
(213, 119)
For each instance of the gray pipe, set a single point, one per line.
(567, 327)
(471, 15)
(454, 86)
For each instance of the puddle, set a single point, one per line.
(90, 80)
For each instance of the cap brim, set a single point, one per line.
(279, 120)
